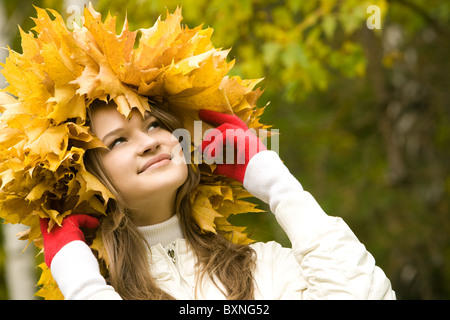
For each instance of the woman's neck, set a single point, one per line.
(165, 232)
(156, 209)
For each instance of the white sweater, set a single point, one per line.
(326, 260)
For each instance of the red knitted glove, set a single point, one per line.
(68, 232)
(231, 132)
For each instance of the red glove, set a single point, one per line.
(68, 232)
(231, 131)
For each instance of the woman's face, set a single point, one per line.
(143, 160)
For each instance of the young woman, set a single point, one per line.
(156, 250)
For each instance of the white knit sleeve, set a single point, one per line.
(76, 271)
(333, 261)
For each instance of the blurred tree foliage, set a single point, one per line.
(363, 114)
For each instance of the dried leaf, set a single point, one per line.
(48, 287)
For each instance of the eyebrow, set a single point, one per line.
(111, 133)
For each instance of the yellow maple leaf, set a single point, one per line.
(5, 99)
(48, 287)
(10, 136)
(67, 105)
(203, 212)
(53, 140)
(232, 233)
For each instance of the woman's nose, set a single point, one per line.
(146, 143)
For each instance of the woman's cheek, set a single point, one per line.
(118, 166)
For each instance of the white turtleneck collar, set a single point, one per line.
(165, 232)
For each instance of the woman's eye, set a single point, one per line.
(116, 142)
(153, 125)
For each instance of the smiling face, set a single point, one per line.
(142, 161)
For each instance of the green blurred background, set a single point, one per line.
(363, 112)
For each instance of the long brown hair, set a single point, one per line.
(224, 262)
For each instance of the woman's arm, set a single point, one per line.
(71, 261)
(333, 261)
(76, 271)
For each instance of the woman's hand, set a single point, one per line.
(232, 132)
(70, 230)
(73, 265)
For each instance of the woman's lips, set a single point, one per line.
(156, 162)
